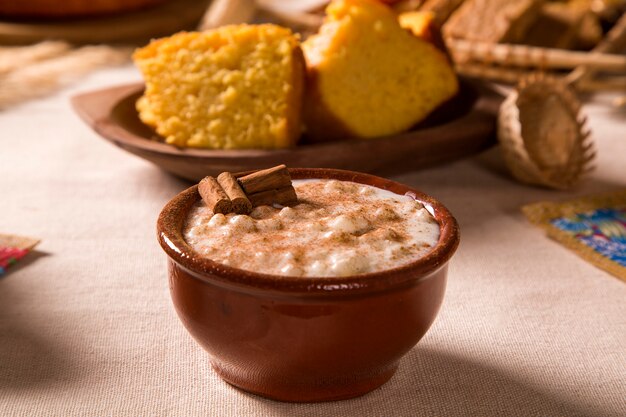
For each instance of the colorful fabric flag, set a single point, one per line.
(593, 227)
(13, 248)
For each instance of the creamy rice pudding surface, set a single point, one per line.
(338, 228)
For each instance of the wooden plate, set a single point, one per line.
(137, 26)
(462, 127)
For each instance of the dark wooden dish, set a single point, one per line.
(137, 26)
(459, 128)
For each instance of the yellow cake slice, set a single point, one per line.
(424, 25)
(370, 77)
(234, 87)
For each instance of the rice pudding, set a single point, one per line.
(338, 228)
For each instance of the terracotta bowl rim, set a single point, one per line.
(173, 214)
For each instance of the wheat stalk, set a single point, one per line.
(532, 56)
(510, 75)
(614, 41)
(15, 57)
(45, 77)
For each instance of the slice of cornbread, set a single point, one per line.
(234, 87)
(424, 25)
(368, 76)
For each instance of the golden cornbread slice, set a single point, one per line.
(370, 77)
(234, 87)
(424, 25)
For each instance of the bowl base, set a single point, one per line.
(301, 394)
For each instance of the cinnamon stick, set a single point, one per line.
(214, 196)
(284, 196)
(266, 179)
(239, 201)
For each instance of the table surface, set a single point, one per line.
(87, 326)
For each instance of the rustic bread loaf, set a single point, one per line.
(424, 25)
(234, 87)
(368, 76)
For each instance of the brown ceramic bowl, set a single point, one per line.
(306, 339)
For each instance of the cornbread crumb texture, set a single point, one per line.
(237, 86)
(424, 25)
(339, 228)
(370, 77)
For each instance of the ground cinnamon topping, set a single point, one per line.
(336, 228)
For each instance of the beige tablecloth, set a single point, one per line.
(87, 327)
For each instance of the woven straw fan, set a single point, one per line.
(543, 136)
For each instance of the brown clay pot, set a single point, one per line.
(306, 339)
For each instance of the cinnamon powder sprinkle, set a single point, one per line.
(338, 228)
